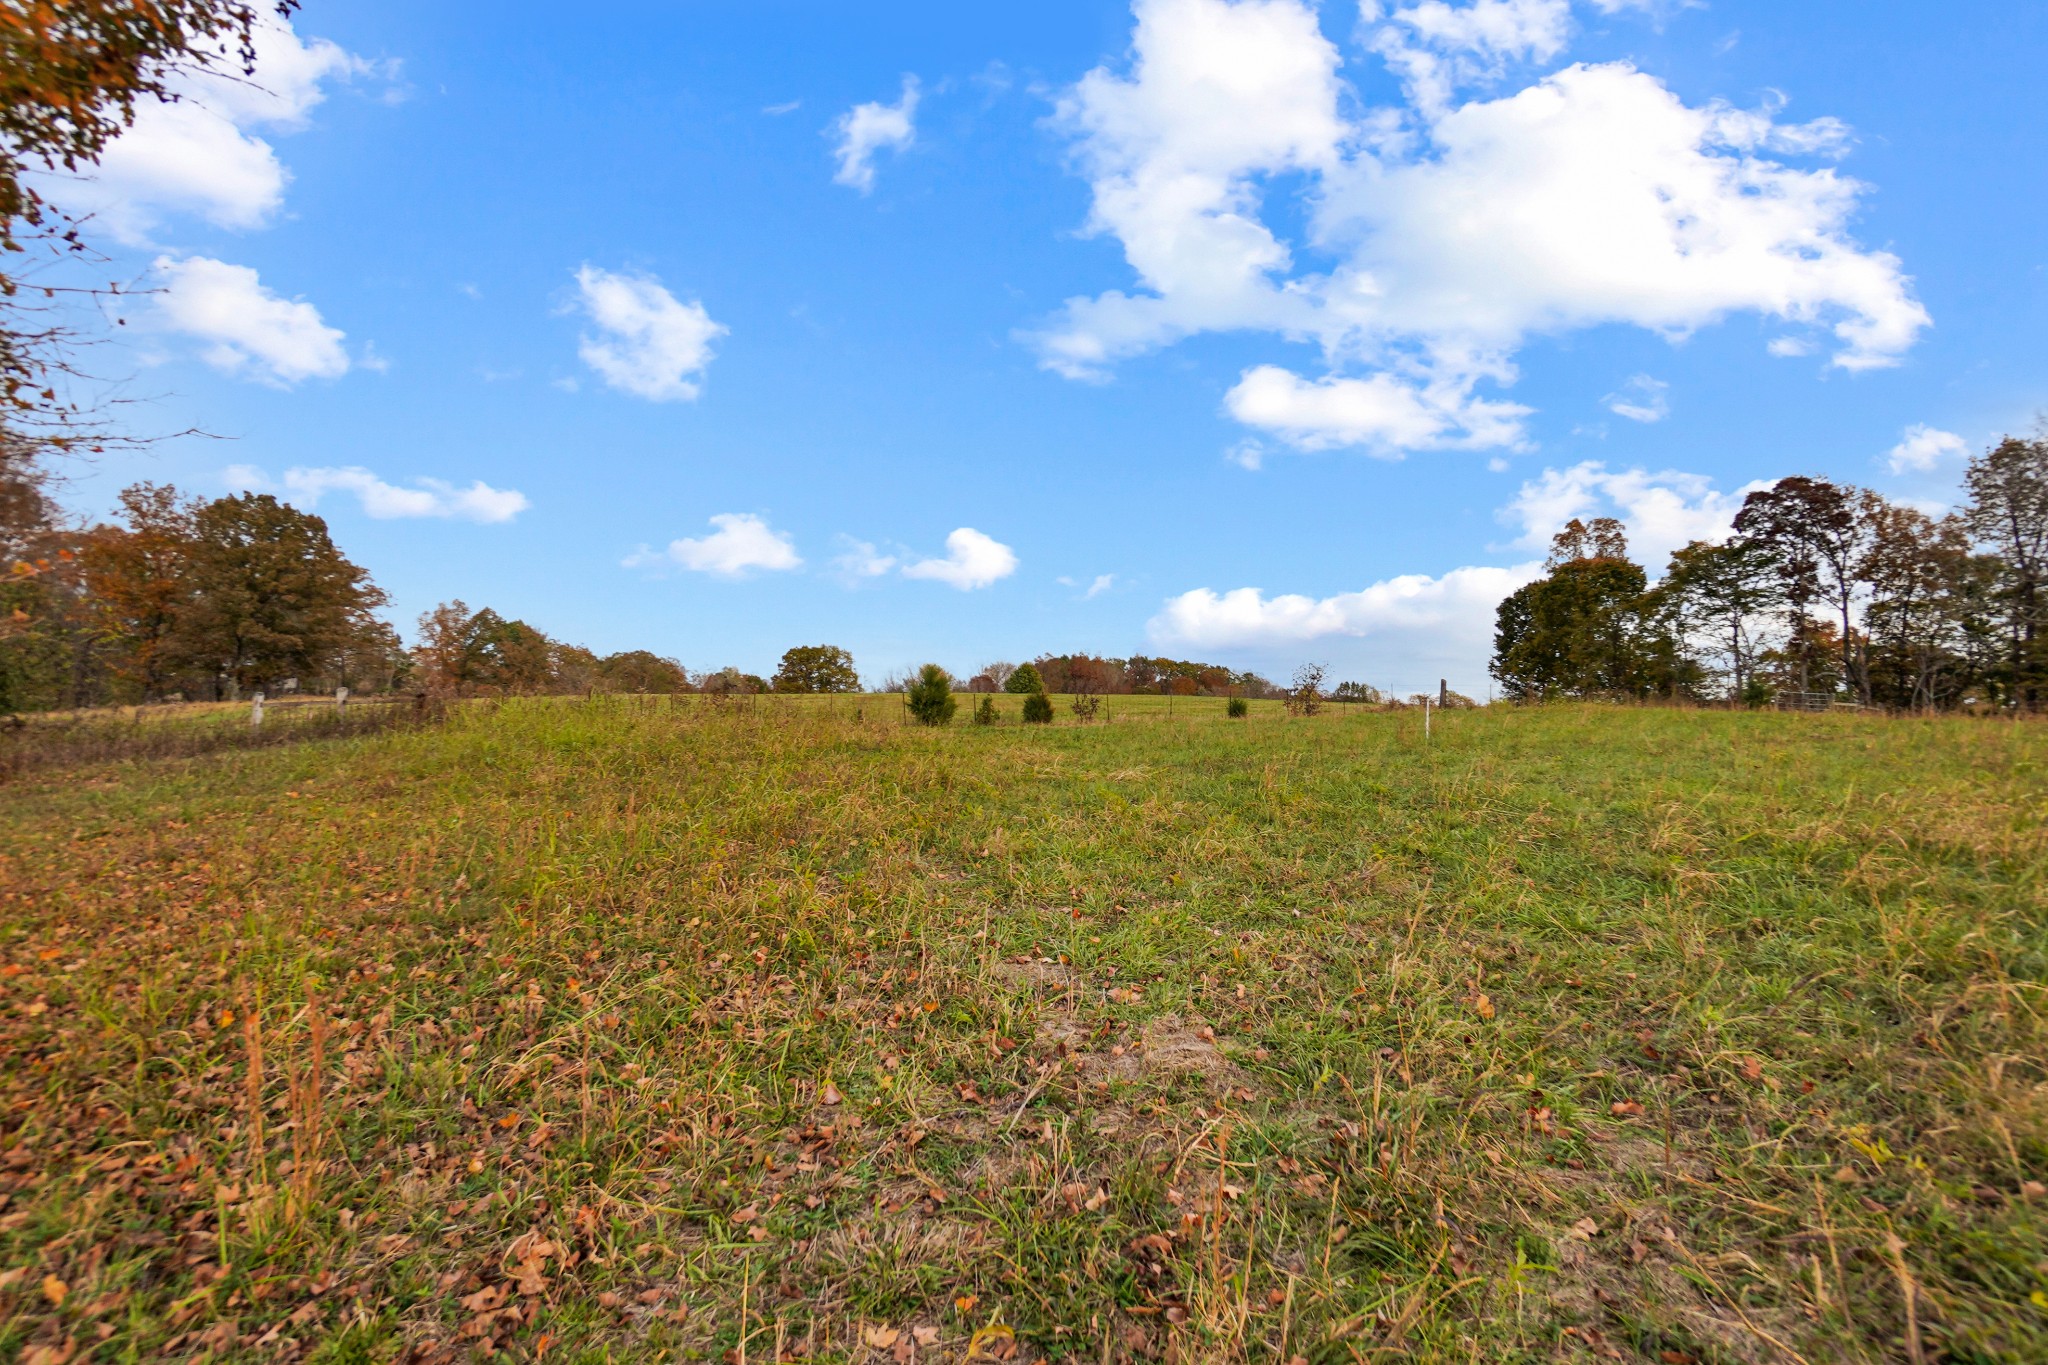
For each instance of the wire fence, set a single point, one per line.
(36, 743)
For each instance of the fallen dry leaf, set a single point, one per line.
(829, 1094)
(55, 1290)
(1584, 1230)
(994, 1341)
(484, 1300)
(1484, 1006)
(881, 1338)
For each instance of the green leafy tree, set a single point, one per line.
(1810, 529)
(985, 713)
(1927, 608)
(817, 668)
(931, 699)
(1719, 594)
(1590, 628)
(2008, 512)
(272, 597)
(510, 656)
(1024, 681)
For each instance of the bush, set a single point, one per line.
(1025, 680)
(931, 697)
(985, 714)
(1085, 707)
(1037, 708)
(1239, 708)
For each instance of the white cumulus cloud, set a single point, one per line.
(1406, 631)
(647, 342)
(872, 127)
(1246, 617)
(972, 560)
(1662, 511)
(426, 498)
(1383, 412)
(247, 330)
(202, 154)
(1922, 448)
(739, 544)
(1451, 228)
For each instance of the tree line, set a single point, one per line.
(1820, 592)
(181, 598)
(1096, 675)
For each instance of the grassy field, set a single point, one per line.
(608, 1031)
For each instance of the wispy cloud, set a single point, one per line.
(426, 497)
(1642, 399)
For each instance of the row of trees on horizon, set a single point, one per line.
(181, 598)
(1820, 591)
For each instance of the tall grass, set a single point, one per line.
(610, 1030)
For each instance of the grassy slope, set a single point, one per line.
(1579, 1033)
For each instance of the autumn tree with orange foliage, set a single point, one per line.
(139, 579)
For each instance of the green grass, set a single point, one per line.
(1577, 1033)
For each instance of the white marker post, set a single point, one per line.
(256, 712)
(1425, 717)
(341, 699)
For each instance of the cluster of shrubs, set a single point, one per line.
(931, 701)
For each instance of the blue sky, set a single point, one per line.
(1258, 332)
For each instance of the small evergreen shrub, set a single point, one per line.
(1239, 708)
(1038, 709)
(985, 714)
(931, 697)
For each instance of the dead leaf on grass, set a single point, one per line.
(993, 1342)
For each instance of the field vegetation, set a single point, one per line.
(779, 1029)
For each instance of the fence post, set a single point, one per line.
(1425, 716)
(256, 712)
(341, 699)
